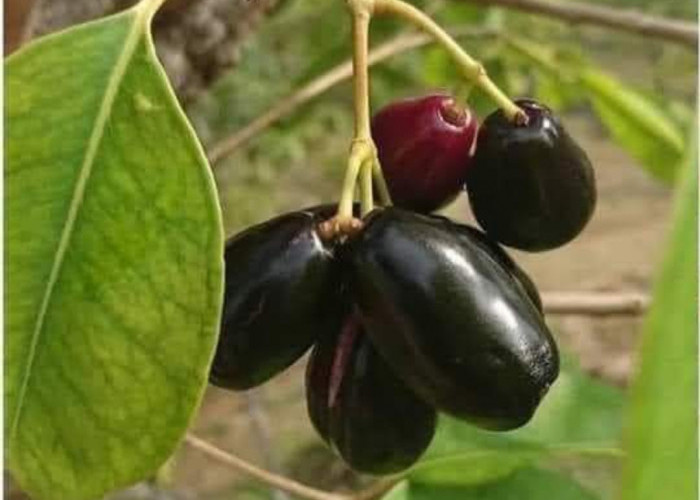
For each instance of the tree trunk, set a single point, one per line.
(197, 40)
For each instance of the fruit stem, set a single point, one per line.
(361, 12)
(380, 183)
(472, 69)
(363, 152)
(462, 93)
(453, 113)
(367, 197)
(347, 195)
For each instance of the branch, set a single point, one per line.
(20, 16)
(321, 84)
(290, 486)
(681, 32)
(377, 489)
(596, 303)
(196, 40)
(261, 429)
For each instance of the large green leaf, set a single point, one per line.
(579, 417)
(113, 261)
(525, 484)
(637, 123)
(662, 434)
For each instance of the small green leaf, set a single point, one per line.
(579, 417)
(113, 261)
(662, 429)
(553, 74)
(399, 492)
(551, 90)
(525, 484)
(459, 13)
(475, 467)
(439, 68)
(637, 124)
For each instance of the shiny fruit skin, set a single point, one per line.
(530, 186)
(359, 406)
(451, 320)
(473, 235)
(425, 148)
(282, 292)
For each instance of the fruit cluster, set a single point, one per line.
(530, 185)
(411, 314)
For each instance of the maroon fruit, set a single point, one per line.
(425, 147)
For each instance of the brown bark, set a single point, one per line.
(672, 30)
(197, 40)
(16, 17)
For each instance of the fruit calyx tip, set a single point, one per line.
(521, 118)
(339, 227)
(453, 113)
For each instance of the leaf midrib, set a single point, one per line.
(661, 130)
(140, 23)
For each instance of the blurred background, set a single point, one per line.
(628, 99)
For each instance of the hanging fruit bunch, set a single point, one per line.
(408, 313)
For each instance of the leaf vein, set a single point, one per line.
(111, 92)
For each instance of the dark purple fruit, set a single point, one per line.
(530, 186)
(425, 147)
(452, 320)
(282, 293)
(473, 235)
(359, 406)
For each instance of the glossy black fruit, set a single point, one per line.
(359, 406)
(425, 147)
(451, 318)
(473, 235)
(530, 186)
(282, 293)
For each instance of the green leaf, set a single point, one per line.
(438, 68)
(637, 124)
(113, 261)
(552, 90)
(525, 484)
(551, 71)
(457, 13)
(399, 492)
(662, 434)
(579, 417)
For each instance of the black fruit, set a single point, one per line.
(359, 406)
(473, 235)
(450, 318)
(425, 148)
(282, 293)
(530, 186)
